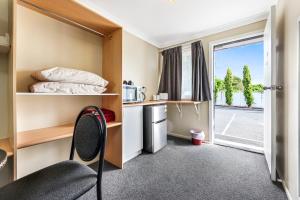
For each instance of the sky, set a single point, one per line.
(235, 58)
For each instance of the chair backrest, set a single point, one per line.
(89, 134)
(89, 139)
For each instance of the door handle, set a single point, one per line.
(157, 122)
(274, 87)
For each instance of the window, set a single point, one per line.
(186, 72)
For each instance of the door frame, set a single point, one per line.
(212, 44)
(298, 64)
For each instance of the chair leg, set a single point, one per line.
(99, 191)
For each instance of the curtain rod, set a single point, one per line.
(63, 18)
(188, 42)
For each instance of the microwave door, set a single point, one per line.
(126, 94)
(133, 94)
(130, 94)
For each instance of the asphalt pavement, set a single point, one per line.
(240, 123)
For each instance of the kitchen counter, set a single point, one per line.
(145, 103)
(148, 103)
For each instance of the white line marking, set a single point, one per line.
(228, 125)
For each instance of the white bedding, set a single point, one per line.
(69, 75)
(66, 88)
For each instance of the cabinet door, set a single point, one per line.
(132, 131)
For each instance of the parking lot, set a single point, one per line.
(246, 125)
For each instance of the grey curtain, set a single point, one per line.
(200, 83)
(171, 76)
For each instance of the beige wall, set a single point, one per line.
(140, 63)
(288, 12)
(43, 42)
(181, 126)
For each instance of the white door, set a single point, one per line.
(270, 111)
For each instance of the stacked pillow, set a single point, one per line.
(67, 81)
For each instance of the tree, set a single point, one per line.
(237, 84)
(219, 86)
(228, 86)
(258, 88)
(247, 86)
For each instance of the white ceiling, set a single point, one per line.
(164, 23)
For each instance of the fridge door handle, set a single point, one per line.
(157, 122)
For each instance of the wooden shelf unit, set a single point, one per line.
(6, 146)
(43, 135)
(110, 39)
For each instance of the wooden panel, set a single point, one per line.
(6, 146)
(112, 71)
(70, 10)
(39, 136)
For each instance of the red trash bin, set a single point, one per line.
(198, 136)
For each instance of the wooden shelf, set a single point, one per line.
(43, 135)
(61, 94)
(5, 145)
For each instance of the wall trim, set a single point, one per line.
(180, 136)
(288, 194)
(185, 137)
(298, 53)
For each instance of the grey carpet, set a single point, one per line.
(183, 171)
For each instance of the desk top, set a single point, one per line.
(148, 103)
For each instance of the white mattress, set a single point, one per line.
(69, 75)
(66, 88)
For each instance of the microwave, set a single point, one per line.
(133, 94)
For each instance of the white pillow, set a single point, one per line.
(66, 88)
(68, 75)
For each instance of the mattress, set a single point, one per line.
(66, 88)
(69, 75)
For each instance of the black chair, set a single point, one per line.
(68, 180)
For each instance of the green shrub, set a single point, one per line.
(237, 84)
(219, 86)
(258, 88)
(228, 81)
(247, 86)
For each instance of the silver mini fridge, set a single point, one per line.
(155, 127)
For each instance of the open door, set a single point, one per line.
(271, 88)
